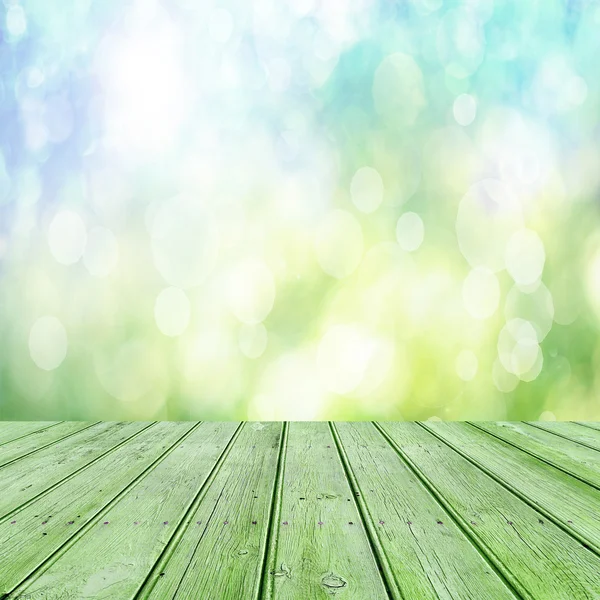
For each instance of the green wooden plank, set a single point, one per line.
(570, 502)
(571, 457)
(590, 424)
(13, 430)
(405, 520)
(39, 440)
(320, 539)
(25, 479)
(541, 560)
(112, 561)
(571, 431)
(221, 552)
(36, 536)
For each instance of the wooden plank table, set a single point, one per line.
(299, 511)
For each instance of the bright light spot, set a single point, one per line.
(220, 25)
(410, 231)
(522, 151)
(366, 189)
(339, 244)
(464, 109)
(16, 23)
(460, 42)
(398, 91)
(547, 416)
(251, 291)
(172, 311)
(518, 347)
(289, 389)
(347, 355)
(145, 86)
(503, 380)
(185, 241)
(535, 306)
(35, 77)
(488, 216)
(101, 252)
(67, 237)
(525, 257)
(481, 293)
(252, 340)
(466, 365)
(535, 369)
(48, 343)
(556, 87)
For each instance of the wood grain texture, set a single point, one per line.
(112, 561)
(39, 440)
(222, 552)
(568, 501)
(295, 511)
(321, 545)
(571, 457)
(405, 518)
(76, 505)
(571, 431)
(541, 560)
(13, 430)
(47, 468)
(590, 424)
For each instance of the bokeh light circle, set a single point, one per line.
(101, 253)
(488, 216)
(252, 340)
(481, 293)
(251, 291)
(398, 90)
(48, 343)
(172, 311)
(525, 257)
(518, 347)
(466, 365)
(410, 231)
(366, 189)
(67, 237)
(464, 109)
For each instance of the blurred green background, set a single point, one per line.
(357, 209)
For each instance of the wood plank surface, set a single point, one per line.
(591, 425)
(571, 431)
(75, 506)
(13, 430)
(39, 440)
(406, 519)
(115, 559)
(571, 457)
(321, 544)
(222, 550)
(299, 511)
(25, 479)
(566, 500)
(541, 560)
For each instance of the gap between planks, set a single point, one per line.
(586, 543)
(486, 553)
(65, 546)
